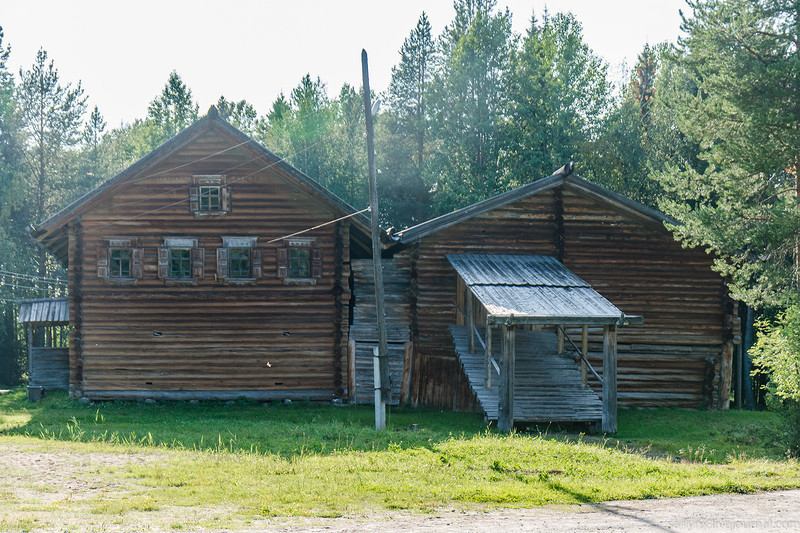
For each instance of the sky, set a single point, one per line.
(123, 52)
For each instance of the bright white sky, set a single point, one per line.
(124, 51)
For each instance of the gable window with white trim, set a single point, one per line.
(209, 195)
(120, 260)
(299, 261)
(239, 260)
(181, 261)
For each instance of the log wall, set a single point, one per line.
(633, 262)
(212, 339)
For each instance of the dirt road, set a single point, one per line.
(764, 512)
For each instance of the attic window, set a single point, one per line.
(209, 195)
(181, 261)
(120, 261)
(300, 261)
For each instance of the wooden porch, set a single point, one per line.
(548, 386)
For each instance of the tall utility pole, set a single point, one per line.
(383, 379)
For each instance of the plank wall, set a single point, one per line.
(634, 263)
(213, 339)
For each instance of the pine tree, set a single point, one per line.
(743, 61)
(403, 149)
(240, 114)
(52, 115)
(173, 110)
(557, 97)
(468, 99)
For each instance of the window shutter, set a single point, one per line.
(194, 199)
(102, 262)
(283, 262)
(222, 263)
(255, 262)
(316, 262)
(137, 263)
(198, 262)
(163, 262)
(225, 198)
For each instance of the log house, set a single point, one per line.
(184, 285)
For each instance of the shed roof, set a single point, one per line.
(50, 311)
(533, 289)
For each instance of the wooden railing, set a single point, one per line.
(491, 362)
(584, 360)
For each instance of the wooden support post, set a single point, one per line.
(505, 419)
(470, 319)
(609, 424)
(351, 370)
(408, 358)
(489, 369)
(560, 335)
(585, 350)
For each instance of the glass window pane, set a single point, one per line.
(299, 262)
(209, 198)
(180, 263)
(240, 263)
(120, 263)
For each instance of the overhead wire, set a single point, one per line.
(20, 275)
(184, 200)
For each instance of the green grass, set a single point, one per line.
(276, 460)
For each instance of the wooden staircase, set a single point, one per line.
(547, 386)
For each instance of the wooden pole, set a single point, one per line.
(505, 419)
(383, 348)
(380, 404)
(609, 424)
(585, 350)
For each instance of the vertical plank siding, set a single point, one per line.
(634, 263)
(212, 339)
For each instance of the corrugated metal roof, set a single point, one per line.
(533, 289)
(44, 311)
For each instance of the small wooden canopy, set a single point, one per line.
(534, 289)
(44, 312)
(537, 289)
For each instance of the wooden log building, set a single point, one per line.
(680, 355)
(186, 281)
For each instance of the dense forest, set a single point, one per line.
(704, 130)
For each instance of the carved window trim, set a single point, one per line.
(287, 268)
(196, 254)
(126, 250)
(209, 195)
(225, 257)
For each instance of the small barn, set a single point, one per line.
(657, 310)
(209, 269)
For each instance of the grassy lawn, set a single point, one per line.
(276, 460)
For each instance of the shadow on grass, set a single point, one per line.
(240, 426)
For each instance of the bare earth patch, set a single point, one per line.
(60, 491)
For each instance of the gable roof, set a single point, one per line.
(52, 233)
(563, 177)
